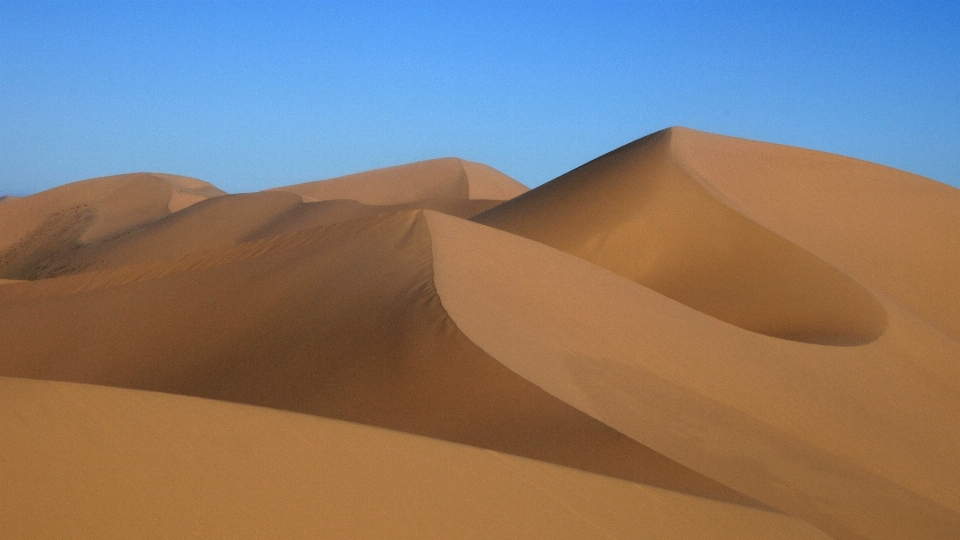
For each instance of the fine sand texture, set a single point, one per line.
(693, 336)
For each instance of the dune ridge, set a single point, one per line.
(37, 233)
(893, 231)
(54, 249)
(637, 212)
(444, 178)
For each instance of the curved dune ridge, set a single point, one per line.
(638, 212)
(692, 336)
(445, 178)
(890, 230)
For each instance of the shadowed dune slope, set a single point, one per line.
(341, 321)
(234, 219)
(637, 212)
(445, 178)
(55, 248)
(95, 462)
(893, 231)
(860, 441)
(38, 232)
(215, 223)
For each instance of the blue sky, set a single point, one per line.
(253, 95)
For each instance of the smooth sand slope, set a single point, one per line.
(637, 212)
(693, 335)
(860, 441)
(893, 231)
(873, 427)
(445, 178)
(93, 462)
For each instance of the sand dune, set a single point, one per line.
(342, 322)
(227, 220)
(692, 336)
(189, 467)
(637, 212)
(893, 231)
(446, 178)
(37, 233)
(775, 419)
(235, 219)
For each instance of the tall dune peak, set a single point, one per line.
(641, 213)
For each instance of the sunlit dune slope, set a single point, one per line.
(638, 212)
(95, 462)
(860, 441)
(445, 178)
(341, 321)
(893, 231)
(703, 220)
(38, 232)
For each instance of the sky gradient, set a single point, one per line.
(253, 95)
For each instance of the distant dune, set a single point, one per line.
(446, 178)
(693, 336)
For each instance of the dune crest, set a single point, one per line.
(637, 212)
(445, 178)
(38, 233)
(893, 231)
(202, 219)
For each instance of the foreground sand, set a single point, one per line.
(99, 462)
(693, 336)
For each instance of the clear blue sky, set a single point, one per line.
(252, 95)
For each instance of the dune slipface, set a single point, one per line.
(693, 336)
(639, 213)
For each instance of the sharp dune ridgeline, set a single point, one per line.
(691, 337)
